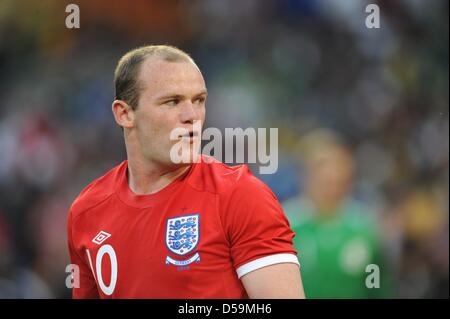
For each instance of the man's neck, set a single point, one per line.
(148, 178)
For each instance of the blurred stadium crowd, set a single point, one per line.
(310, 68)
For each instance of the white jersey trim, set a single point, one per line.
(266, 261)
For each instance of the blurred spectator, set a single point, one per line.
(423, 222)
(337, 237)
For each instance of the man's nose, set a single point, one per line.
(188, 113)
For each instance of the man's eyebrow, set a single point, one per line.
(202, 93)
(178, 96)
(170, 96)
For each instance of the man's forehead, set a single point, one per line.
(156, 71)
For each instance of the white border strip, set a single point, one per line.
(266, 261)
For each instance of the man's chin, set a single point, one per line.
(184, 159)
(190, 158)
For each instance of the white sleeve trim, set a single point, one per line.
(266, 261)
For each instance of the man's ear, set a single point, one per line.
(123, 113)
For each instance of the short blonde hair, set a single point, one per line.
(126, 84)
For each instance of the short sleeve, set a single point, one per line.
(257, 228)
(87, 284)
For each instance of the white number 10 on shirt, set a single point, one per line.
(108, 250)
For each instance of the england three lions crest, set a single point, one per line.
(182, 237)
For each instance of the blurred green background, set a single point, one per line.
(362, 117)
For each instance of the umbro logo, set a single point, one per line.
(101, 237)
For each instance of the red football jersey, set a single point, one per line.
(193, 239)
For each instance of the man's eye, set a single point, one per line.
(200, 100)
(173, 102)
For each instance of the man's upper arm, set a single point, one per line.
(274, 281)
(261, 241)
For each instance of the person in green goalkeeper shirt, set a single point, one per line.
(337, 238)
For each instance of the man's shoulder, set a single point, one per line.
(97, 191)
(219, 178)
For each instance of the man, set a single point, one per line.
(338, 235)
(156, 228)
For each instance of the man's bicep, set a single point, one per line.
(261, 244)
(274, 281)
(257, 228)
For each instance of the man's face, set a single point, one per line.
(173, 96)
(330, 173)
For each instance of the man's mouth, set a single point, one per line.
(189, 135)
